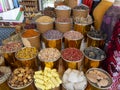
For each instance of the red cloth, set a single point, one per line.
(88, 3)
(112, 62)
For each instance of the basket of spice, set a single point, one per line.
(72, 39)
(63, 24)
(49, 57)
(8, 51)
(27, 57)
(98, 79)
(63, 11)
(21, 79)
(83, 25)
(81, 11)
(96, 38)
(72, 58)
(93, 57)
(44, 23)
(31, 38)
(53, 39)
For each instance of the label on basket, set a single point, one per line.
(26, 42)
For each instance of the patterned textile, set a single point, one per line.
(112, 62)
(5, 33)
(99, 12)
(110, 18)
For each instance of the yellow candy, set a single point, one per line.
(58, 80)
(52, 85)
(40, 86)
(38, 72)
(47, 69)
(39, 81)
(55, 74)
(39, 77)
(54, 81)
(46, 78)
(49, 75)
(54, 70)
(49, 86)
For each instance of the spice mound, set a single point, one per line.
(49, 11)
(74, 80)
(44, 19)
(53, 34)
(63, 20)
(30, 33)
(13, 38)
(94, 53)
(62, 7)
(26, 53)
(96, 34)
(11, 47)
(82, 7)
(4, 73)
(21, 78)
(73, 35)
(98, 78)
(49, 54)
(47, 79)
(83, 20)
(72, 54)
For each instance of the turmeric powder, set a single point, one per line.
(30, 33)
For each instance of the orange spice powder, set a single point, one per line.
(30, 33)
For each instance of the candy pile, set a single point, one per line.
(74, 80)
(47, 79)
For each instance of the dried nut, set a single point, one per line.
(98, 77)
(92, 78)
(49, 54)
(103, 82)
(21, 77)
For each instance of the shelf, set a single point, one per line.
(30, 7)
